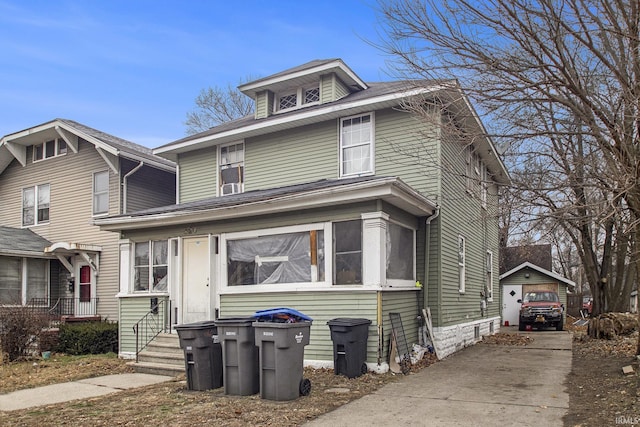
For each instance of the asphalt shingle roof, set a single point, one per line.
(13, 240)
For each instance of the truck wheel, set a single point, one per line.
(522, 326)
(559, 326)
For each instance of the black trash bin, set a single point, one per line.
(239, 356)
(202, 354)
(281, 343)
(349, 338)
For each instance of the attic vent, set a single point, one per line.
(312, 95)
(288, 101)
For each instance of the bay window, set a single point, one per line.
(347, 241)
(400, 252)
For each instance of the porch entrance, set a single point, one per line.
(196, 289)
(85, 291)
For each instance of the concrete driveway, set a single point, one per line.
(482, 385)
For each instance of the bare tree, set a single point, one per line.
(217, 105)
(546, 74)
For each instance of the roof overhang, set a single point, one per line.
(72, 247)
(288, 121)
(389, 189)
(528, 265)
(307, 75)
(14, 146)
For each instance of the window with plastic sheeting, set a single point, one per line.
(279, 258)
(400, 252)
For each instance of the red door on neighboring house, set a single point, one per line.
(85, 291)
(85, 283)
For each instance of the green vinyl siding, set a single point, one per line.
(197, 174)
(406, 304)
(331, 88)
(320, 306)
(264, 104)
(300, 155)
(462, 214)
(403, 148)
(131, 311)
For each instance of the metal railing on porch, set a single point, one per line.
(56, 308)
(152, 324)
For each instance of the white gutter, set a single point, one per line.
(124, 185)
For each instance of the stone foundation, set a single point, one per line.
(450, 339)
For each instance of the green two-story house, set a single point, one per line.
(334, 199)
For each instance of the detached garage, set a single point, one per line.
(524, 278)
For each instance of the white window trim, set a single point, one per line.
(490, 287)
(93, 194)
(397, 283)
(56, 150)
(36, 189)
(219, 166)
(300, 93)
(484, 185)
(276, 287)
(462, 267)
(372, 165)
(132, 268)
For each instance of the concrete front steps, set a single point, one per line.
(162, 356)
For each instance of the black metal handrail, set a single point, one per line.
(56, 308)
(152, 324)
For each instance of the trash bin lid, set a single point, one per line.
(204, 324)
(347, 321)
(236, 321)
(281, 314)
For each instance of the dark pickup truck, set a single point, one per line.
(541, 309)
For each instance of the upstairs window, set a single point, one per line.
(101, 193)
(231, 169)
(288, 101)
(35, 205)
(312, 95)
(462, 279)
(48, 149)
(356, 145)
(489, 268)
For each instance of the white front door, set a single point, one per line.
(196, 289)
(85, 290)
(510, 305)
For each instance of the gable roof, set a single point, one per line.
(310, 195)
(13, 146)
(21, 242)
(529, 265)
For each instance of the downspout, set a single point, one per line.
(124, 185)
(425, 285)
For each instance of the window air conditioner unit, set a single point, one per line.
(231, 188)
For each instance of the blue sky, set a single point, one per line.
(134, 68)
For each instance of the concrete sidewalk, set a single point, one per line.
(81, 389)
(483, 385)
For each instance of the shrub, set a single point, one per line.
(88, 338)
(20, 329)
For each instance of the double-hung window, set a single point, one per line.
(461, 264)
(356, 145)
(489, 268)
(231, 166)
(151, 266)
(101, 193)
(35, 205)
